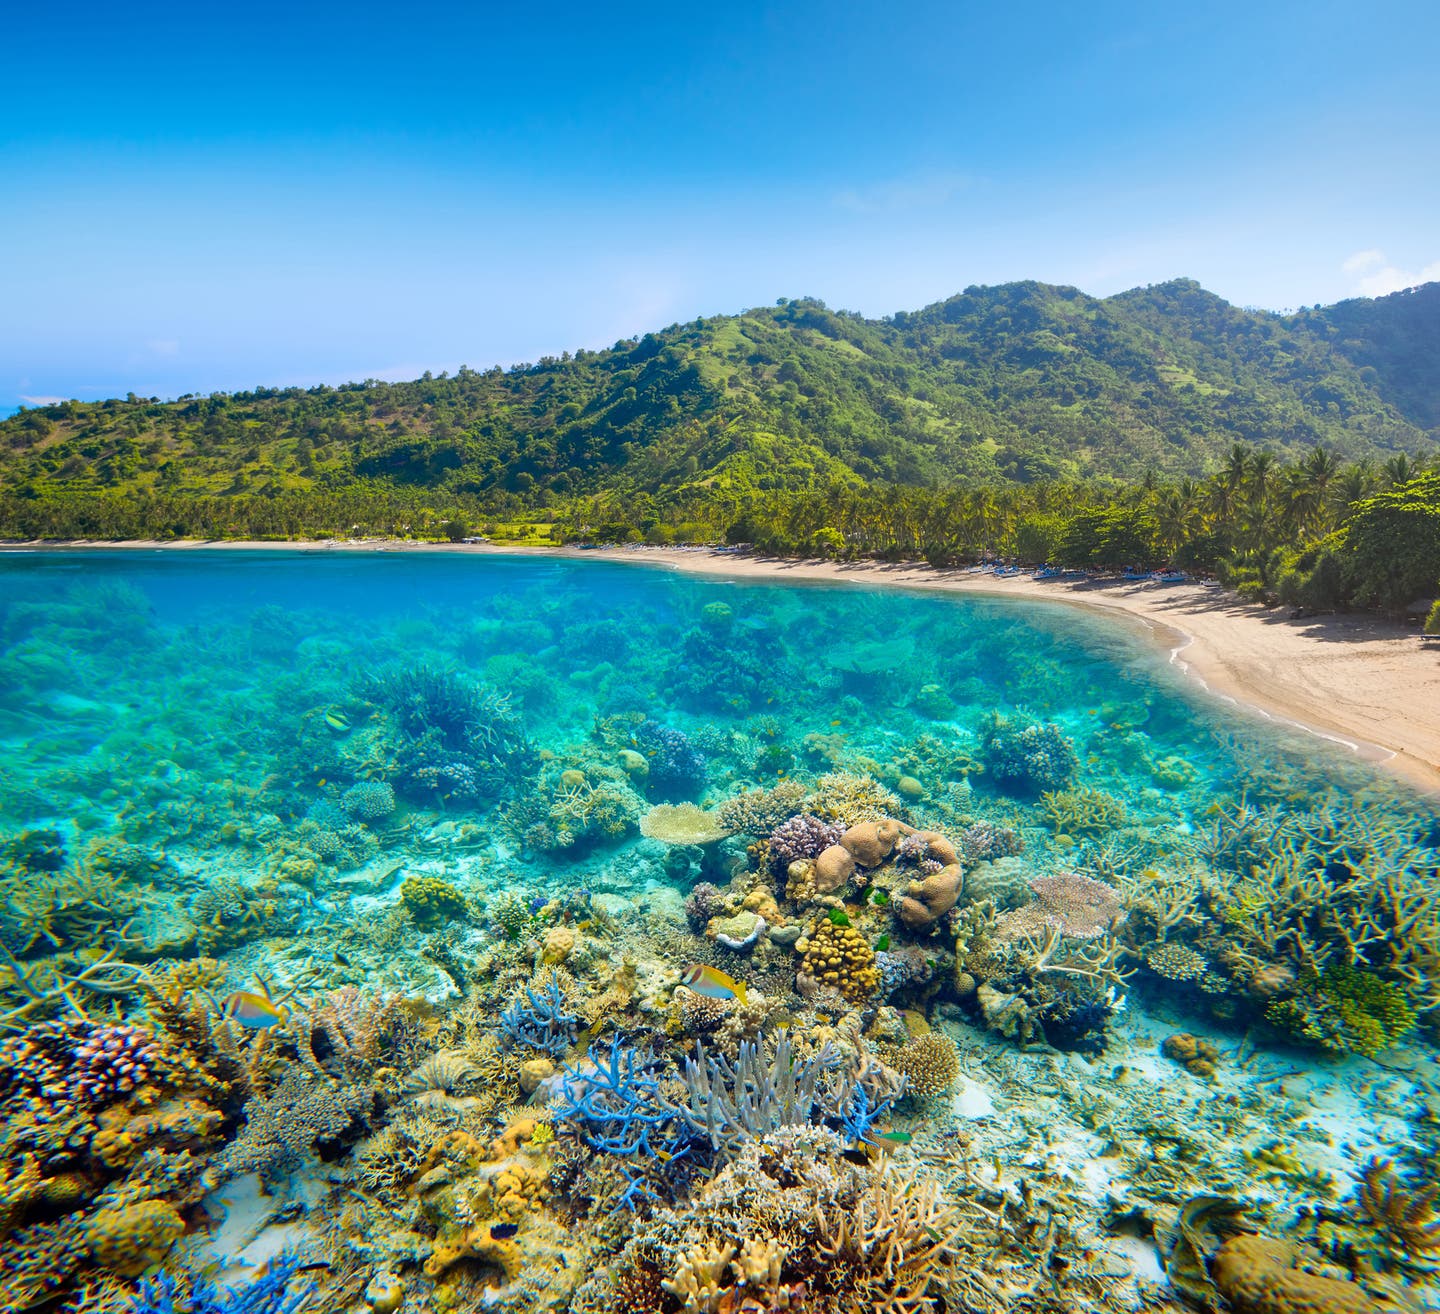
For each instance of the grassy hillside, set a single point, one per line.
(1017, 383)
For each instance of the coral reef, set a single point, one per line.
(308, 937)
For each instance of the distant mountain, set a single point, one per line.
(1014, 383)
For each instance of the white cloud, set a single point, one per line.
(919, 191)
(1375, 276)
(1363, 260)
(41, 401)
(164, 346)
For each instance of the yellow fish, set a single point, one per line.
(713, 983)
(337, 721)
(252, 1011)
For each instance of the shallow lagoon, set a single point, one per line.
(1189, 953)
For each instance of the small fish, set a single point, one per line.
(834, 723)
(713, 983)
(664, 1156)
(891, 1139)
(341, 959)
(861, 1157)
(337, 721)
(503, 1231)
(253, 1012)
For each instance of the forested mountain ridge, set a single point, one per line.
(1018, 383)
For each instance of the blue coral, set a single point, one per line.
(541, 1024)
(268, 1294)
(1027, 759)
(616, 1106)
(677, 767)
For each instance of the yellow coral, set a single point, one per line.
(838, 956)
(134, 1237)
(682, 823)
(929, 1062)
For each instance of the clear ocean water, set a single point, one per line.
(350, 808)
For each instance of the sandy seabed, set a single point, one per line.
(1361, 681)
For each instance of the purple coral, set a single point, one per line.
(78, 1062)
(804, 836)
(113, 1060)
(703, 903)
(677, 767)
(985, 840)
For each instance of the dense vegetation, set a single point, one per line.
(1006, 420)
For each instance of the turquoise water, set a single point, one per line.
(358, 805)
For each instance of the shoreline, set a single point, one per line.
(1356, 680)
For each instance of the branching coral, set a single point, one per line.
(892, 1244)
(1407, 1215)
(542, 1022)
(730, 1104)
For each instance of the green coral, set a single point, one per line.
(1348, 1010)
(1081, 813)
(1172, 772)
(432, 900)
(510, 915)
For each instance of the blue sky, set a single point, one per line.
(214, 197)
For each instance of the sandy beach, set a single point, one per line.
(1366, 683)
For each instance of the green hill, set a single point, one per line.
(1016, 383)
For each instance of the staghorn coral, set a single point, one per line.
(542, 1022)
(730, 1104)
(891, 1246)
(1081, 813)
